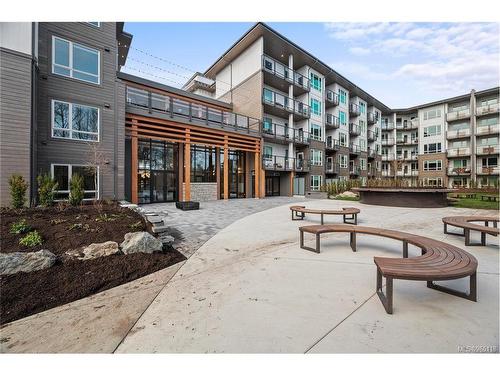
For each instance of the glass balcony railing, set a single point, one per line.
(354, 109)
(332, 144)
(332, 98)
(278, 163)
(331, 121)
(354, 129)
(387, 141)
(285, 104)
(387, 126)
(487, 129)
(458, 115)
(491, 170)
(487, 149)
(282, 71)
(460, 151)
(487, 109)
(459, 133)
(276, 131)
(372, 117)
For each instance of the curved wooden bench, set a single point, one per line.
(350, 214)
(466, 223)
(439, 260)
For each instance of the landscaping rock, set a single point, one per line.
(348, 194)
(167, 240)
(11, 263)
(140, 242)
(97, 250)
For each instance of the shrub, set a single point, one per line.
(20, 226)
(18, 188)
(46, 190)
(32, 239)
(76, 190)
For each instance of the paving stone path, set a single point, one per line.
(191, 229)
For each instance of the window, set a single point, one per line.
(268, 152)
(75, 121)
(459, 144)
(460, 163)
(316, 82)
(489, 162)
(362, 144)
(362, 164)
(490, 141)
(343, 139)
(432, 165)
(362, 107)
(203, 165)
(433, 113)
(316, 132)
(430, 131)
(76, 61)
(487, 121)
(315, 107)
(438, 181)
(342, 96)
(62, 174)
(268, 96)
(432, 148)
(267, 125)
(342, 118)
(316, 157)
(316, 182)
(362, 127)
(343, 161)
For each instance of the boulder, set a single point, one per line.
(167, 240)
(140, 242)
(102, 249)
(349, 194)
(11, 263)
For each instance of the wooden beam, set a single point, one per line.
(226, 172)
(257, 174)
(135, 164)
(187, 169)
(180, 169)
(217, 170)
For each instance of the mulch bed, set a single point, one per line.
(69, 228)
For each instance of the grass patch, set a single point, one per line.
(475, 203)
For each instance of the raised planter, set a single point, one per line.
(404, 197)
(187, 206)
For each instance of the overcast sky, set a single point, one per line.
(401, 64)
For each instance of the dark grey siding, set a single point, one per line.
(108, 96)
(15, 118)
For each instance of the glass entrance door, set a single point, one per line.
(236, 174)
(272, 186)
(157, 174)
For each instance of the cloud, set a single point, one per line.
(359, 51)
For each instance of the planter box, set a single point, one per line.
(187, 206)
(316, 195)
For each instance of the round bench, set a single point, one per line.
(350, 214)
(466, 223)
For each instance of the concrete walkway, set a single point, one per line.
(251, 288)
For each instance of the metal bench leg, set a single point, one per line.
(355, 219)
(471, 296)
(302, 246)
(445, 228)
(353, 241)
(386, 298)
(483, 239)
(494, 224)
(405, 249)
(318, 243)
(322, 219)
(467, 237)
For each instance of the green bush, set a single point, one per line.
(20, 226)
(32, 239)
(18, 188)
(76, 190)
(47, 187)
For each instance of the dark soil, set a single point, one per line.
(24, 294)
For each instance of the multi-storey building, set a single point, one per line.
(267, 118)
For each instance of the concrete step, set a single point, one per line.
(160, 229)
(154, 219)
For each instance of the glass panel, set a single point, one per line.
(144, 188)
(86, 77)
(85, 60)
(214, 115)
(159, 102)
(61, 174)
(180, 107)
(198, 111)
(157, 156)
(62, 71)
(61, 53)
(144, 155)
(88, 174)
(85, 118)
(61, 115)
(61, 133)
(137, 97)
(84, 136)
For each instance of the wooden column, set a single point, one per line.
(257, 174)
(180, 168)
(248, 176)
(134, 169)
(187, 169)
(226, 170)
(217, 170)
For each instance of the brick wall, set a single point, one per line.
(202, 191)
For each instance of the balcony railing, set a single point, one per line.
(461, 151)
(354, 170)
(354, 129)
(354, 149)
(488, 129)
(387, 173)
(277, 132)
(494, 170)
(332, 144)
(407, 124)
(410, 173)
(284, 103)
(331, 99)
(458, 115)
(372, 136)
(332, 122)
(193, 112)
(371, 153)
(301, 137)
(388, 157)
(387, 126)
(487, 150)
(415, 123)
(372, 117)
(459, 133)
(282, 71)
(406, 141)
(387, 141)
(283, 163)
(354, 109)
(301, 165)
(462, 171)
(332, 167)
(487, 109)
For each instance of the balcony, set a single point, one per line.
(387, 141)
(458, 115)
(331, 99)
(280, 76)
(354, 170)
(332, 168)
(277, 163)
(487, 109)
(354, 109)
(414, 123)
(354, 129)
(354, 149)
(387, 173)
(372, 118)
(149, 104)
(487, 150)
(407, 141)
(276, 133)
(281, 105)
(331, 144)
(301, 138)
(489, 171)
(371, 153)
(301, 165)
(410, 173)
(372, 172)
(455, 152)
(459, 133)
(463, 171)
(372, 136)
(388, 157)
(488, 129)
(332, 122)
(387, 126)
(407, 124)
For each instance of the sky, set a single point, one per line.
(401, 64)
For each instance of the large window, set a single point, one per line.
(342, 96)
(316, 157)
(432, 148)
(362, 107)
(435, 182)
(489, 162)
(433, 113)
(203, 166)
(432, 165)
(315, 82)
(343, 139)
(316, 182)
(268, 152)
(342, 118)
(315, 107)
(75, 121)
(430, 131)
(76, 61)
(362, 164)
(316, 132)
(62, 173)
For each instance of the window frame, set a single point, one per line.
(70, 174)
(70, 129)
(314, 77)
(313, 110)
(313, 179)
(70, 58)
(98, 26)
(318, 127)
(316, 157)
(438, 165)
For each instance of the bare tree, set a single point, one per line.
(97, 162)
